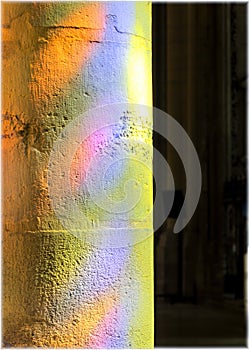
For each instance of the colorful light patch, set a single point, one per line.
(88, 55)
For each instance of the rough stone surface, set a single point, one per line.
(60, 60)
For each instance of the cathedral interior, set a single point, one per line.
(199, 78)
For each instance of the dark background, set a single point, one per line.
(199, 78)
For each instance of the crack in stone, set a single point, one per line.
(66, 27)
(128, 33)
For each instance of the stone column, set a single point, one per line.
(61, 60)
